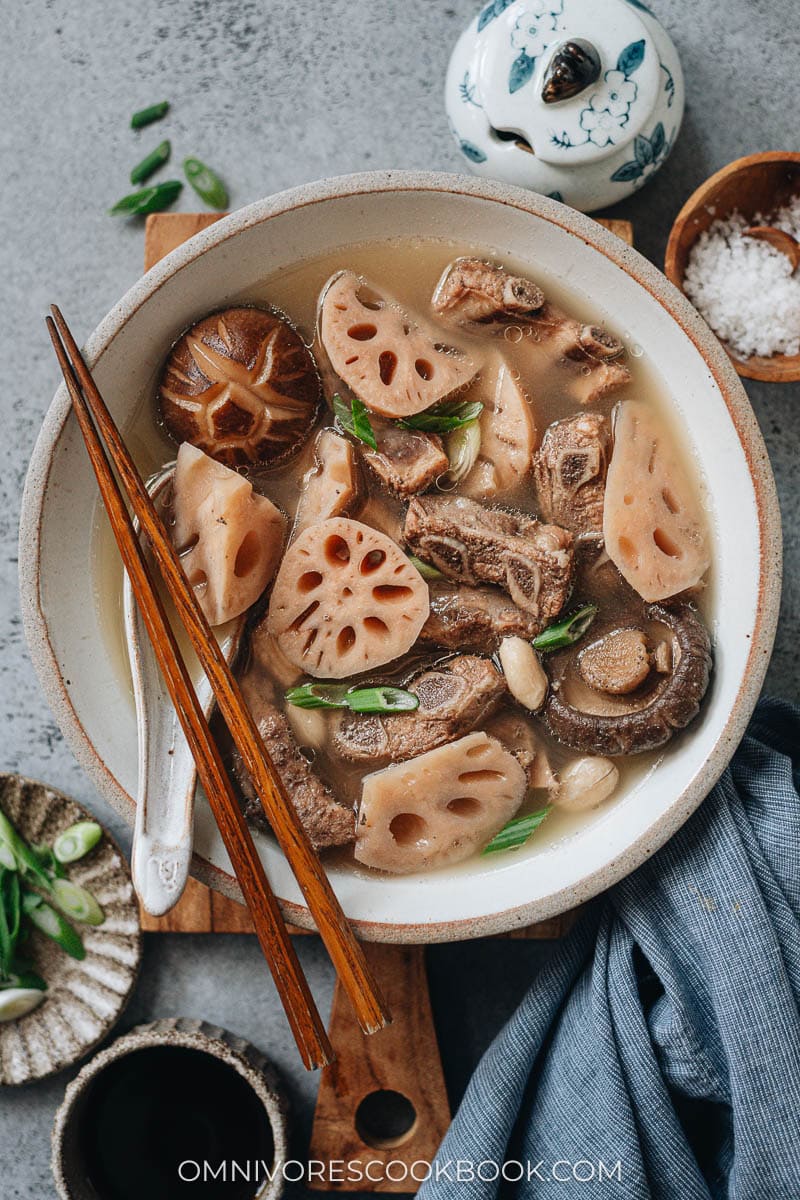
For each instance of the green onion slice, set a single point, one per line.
(148, 200)
(150, 164)
(9, 919)
(516, 832)
(425, 569)
(25, 857)
(568, 631)
(354, 419)
(146, 116)
(51, 923)
(206, 183)
(444, 417)
(16, 1002)
(76, 902)
(76, 841)
(360, 700)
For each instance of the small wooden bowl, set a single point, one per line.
(759, 183)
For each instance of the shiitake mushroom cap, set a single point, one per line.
(241, 385)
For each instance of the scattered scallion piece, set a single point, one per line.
(9, 919)
(206, 183)
(76, 841)
(566, 632)
(360, 700)
(22, 977)
(24, 856)
(354, 419)
(425, 569)
(51, 923)
(74, 901)
(17, 1002)
(148, 200)
(444, 417)
(516, 832)
(47, 860)
(150, 164)
(146, 116)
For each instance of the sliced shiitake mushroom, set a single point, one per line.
(230, 538)
(346, 599)
(647, 717)
(438, 808)
(383, 353)
(652, 520)
(617, 663)
(241, 384)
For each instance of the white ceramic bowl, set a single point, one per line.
(90, 697)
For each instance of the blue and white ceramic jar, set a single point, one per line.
(578, 99)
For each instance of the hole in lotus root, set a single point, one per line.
(464, 806)
(407, 829)
(387, 365)
(247, 555)
(337, 551)
(362, 333)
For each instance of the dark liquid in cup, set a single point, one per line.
(169, 1110)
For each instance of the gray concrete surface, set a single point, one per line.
(275, 93)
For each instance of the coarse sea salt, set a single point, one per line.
(745, 288)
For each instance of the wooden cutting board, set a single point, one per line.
(201, 910)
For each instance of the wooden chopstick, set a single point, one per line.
(309, 1031)
(345, 952)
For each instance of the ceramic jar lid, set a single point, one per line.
(577, 97)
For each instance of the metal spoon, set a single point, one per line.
(779, 239)
(163, 831)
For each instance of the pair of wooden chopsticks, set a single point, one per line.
(345, 952)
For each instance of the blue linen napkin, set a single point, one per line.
(657, 1055)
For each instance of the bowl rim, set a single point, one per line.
(778, 368)
(677, 307)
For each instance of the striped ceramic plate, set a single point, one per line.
(84, 999)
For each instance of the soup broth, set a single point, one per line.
(408, 270)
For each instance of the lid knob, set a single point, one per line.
(574, 67)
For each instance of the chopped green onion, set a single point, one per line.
(360, 700)
(24, 856)
(149, 165)
(444, 417)
(462, 446)
(17, 1002)
(76, 841)
(566, 632)
(7, 857)
(24, 978)
(206, 183)
(53, 925)
(148, 200)
(516, 832)
(77, 903)
(425, 569)
(47, 860)
(146, 116)
(9, 919)
(354, 419)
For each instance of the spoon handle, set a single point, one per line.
(167, 778)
